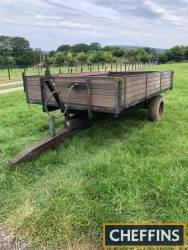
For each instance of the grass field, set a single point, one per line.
(121, 170)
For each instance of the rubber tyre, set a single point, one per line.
(156, 108)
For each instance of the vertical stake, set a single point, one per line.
(52, 125)
(8, 73)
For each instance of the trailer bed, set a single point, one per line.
(109, 92)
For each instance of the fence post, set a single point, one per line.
(8, 73)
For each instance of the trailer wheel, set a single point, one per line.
(156, 108)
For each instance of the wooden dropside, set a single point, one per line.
(141, 87)
(102, 92)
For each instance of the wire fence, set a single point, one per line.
(9, 74)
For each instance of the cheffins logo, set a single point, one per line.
(144, 235)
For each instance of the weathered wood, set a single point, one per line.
(135, 93)
(112, 91)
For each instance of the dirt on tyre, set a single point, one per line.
(156, 108)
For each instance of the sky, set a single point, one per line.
(50, 23)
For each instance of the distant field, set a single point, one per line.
(122, 170)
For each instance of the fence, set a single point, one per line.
(11, 74)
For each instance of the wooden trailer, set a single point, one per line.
(108, 92)
(80, 95)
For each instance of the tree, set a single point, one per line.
(81, 57)
(7, 61)
(51, 53)
(21, 51)
(107, 56)
(38, 56)
(64, 48)
(95, 46)
(162, 58)
(142, 55)
(5, 45)
(59, 58)
(26, 58)
(70, 60)
(119, 52)
(80, 47)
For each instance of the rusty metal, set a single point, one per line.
(71, 127)
(38, 148)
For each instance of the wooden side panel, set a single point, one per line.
(166, 80)
(153, 84)
(135, 89)
(107, 92)
(103, 91)
(144, 86)
(33, 88)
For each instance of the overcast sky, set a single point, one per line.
(49, 23)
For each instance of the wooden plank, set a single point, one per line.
(166, 73)
(135, 88)
(154, 81)
(32, 84)
(134, 102)
(152, 91)
(84, 79)
(135, 93)
(136, 83)
(134, 98)
(85, 97)
(164, 85)
(107, 92)
(153, 87)
(153, 84)
(94, 102)
(108, 101)
(32, 78)
(166, 82)
(135, 78)
(94, 84)
(36, 88)
(166, 77)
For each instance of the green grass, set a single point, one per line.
(119, 170)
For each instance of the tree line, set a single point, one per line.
(16, 51)
(94, 53)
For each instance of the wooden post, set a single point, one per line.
(8, 73)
